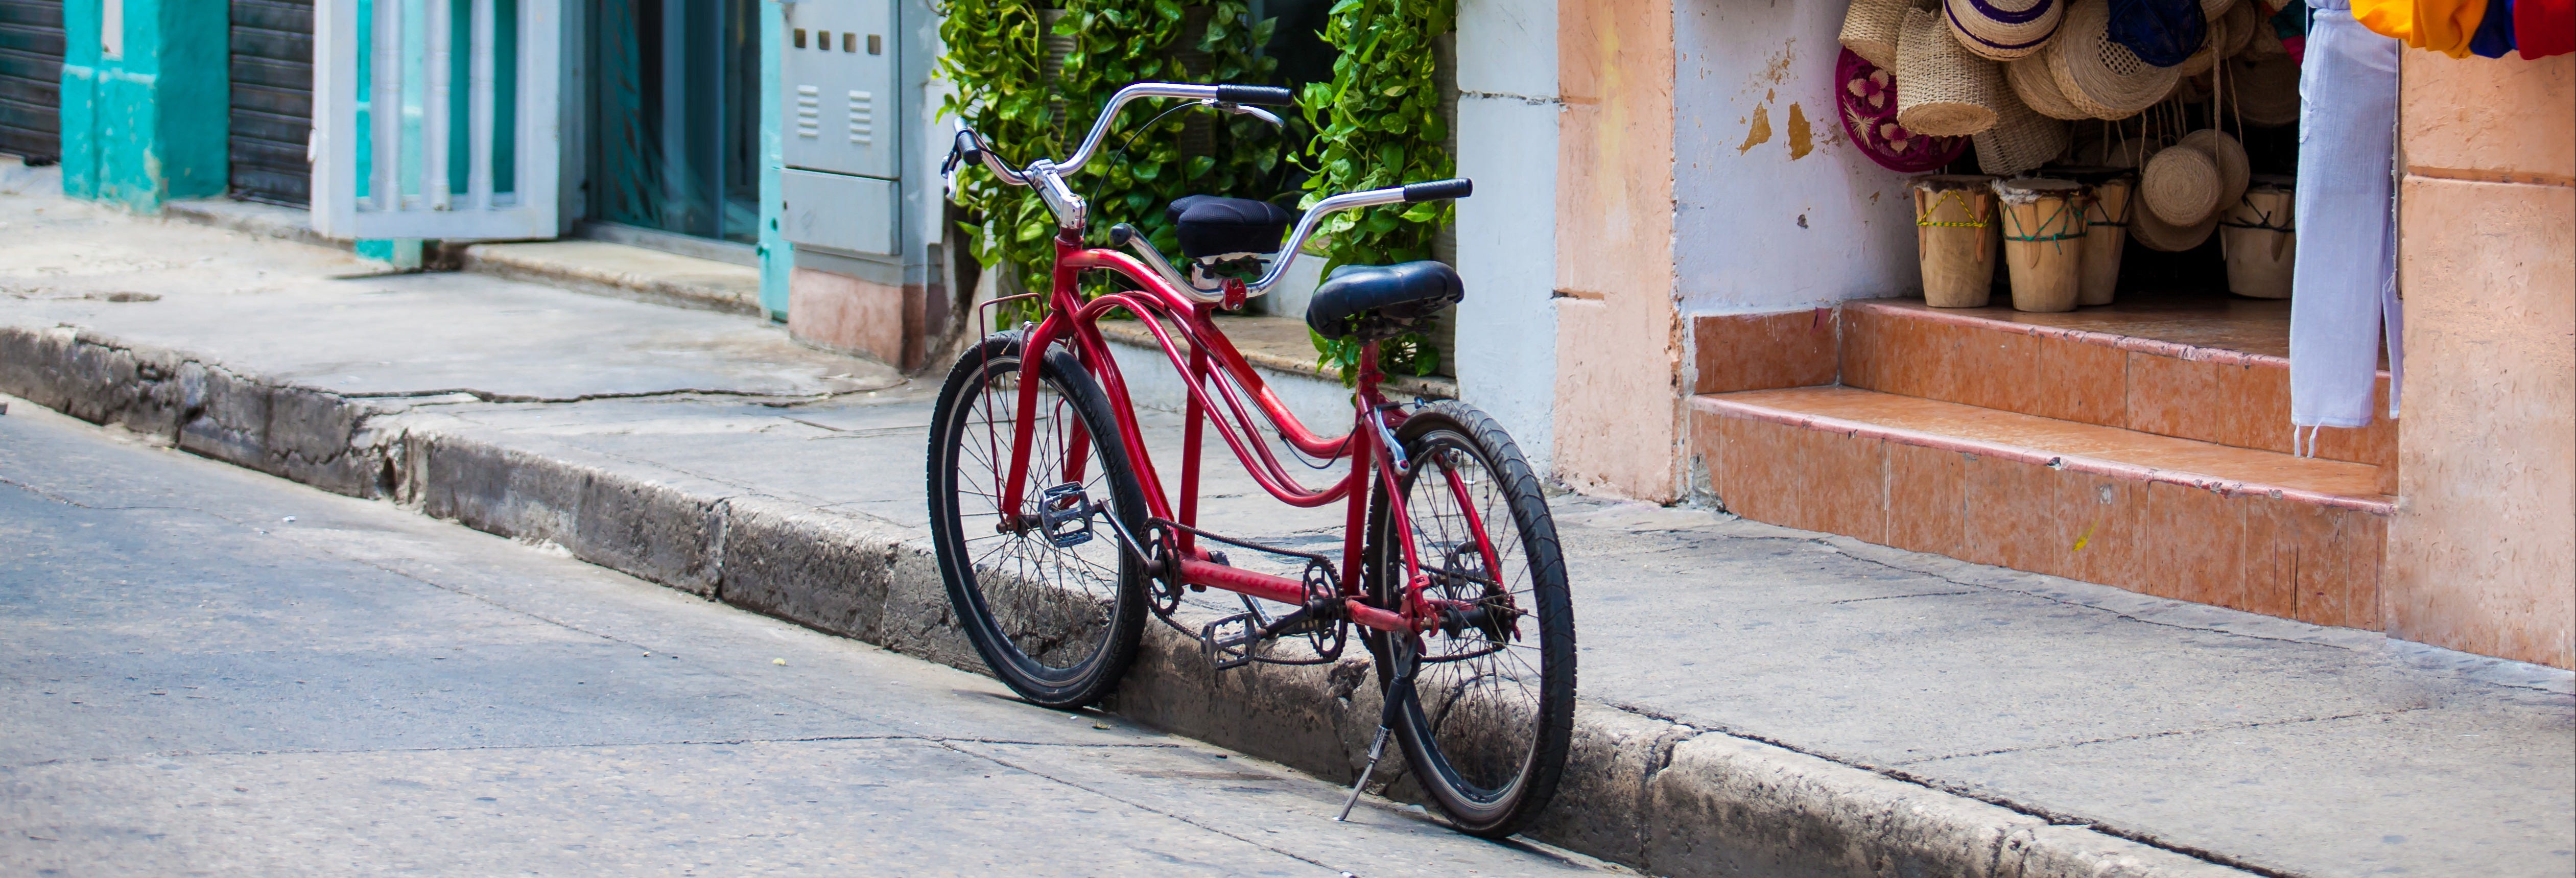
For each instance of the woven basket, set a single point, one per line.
(2264, 89)
(2234, 171)
(1870, 30)
(2180, 186)
(2154, 233)
(2098, 75)
(2037, 89)
(1943, 89)
(2020, 140)
(2003, 30)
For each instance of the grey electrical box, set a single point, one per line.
(842, 144)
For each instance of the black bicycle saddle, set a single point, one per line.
(1215, 226)
(1376, 302)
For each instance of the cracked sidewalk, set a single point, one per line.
(2259, 743)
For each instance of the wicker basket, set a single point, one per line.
(2003, 30)
(2234, 170)
(2020, 140)
(2096, 73)
(2032, 83)
(1871, 28)
(1943, 90)
(2180, 186)
(2264, 89)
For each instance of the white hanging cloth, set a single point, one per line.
(2343, 300)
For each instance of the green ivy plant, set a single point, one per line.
(995, 49)
(1378, 123)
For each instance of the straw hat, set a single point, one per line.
(2020, 140)
(2030, 81)
(1947, 91)
(2181, 185)
(2153, 233)
(1870, 29)
(2233, 169)
(2264, 89)
(2096, 73)
(1868, 103)
(2228, 33)
(2003, 30)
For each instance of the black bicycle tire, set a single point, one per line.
(965, 594)
(1545, 768)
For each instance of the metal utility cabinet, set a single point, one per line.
(843, 127)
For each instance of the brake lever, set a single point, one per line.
(1247, 110)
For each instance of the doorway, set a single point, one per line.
(676, 113)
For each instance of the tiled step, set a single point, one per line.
(2213, 369)
(2244, 528)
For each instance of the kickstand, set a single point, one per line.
(1397, 693)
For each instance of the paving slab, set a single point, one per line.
(2249, 741)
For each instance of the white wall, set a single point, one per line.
(1739, 242)
(1507, 128)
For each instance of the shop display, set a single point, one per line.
(2043, 241)
(1868, 103)
(2002, 30)
(1954, 230)
(1948, 91)
(1871, 27)
(2261, 238)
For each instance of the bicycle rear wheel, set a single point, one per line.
(1492, 706)
(1045, 592)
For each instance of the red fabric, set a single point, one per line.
(2542, 28)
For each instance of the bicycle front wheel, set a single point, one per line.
(1045, 592)
(1492, 706)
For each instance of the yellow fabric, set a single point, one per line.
(2394, 19)
(2445, 26)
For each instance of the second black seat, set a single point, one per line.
(1216, 226)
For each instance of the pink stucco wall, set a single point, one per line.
(2482, 552)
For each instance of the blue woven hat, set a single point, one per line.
(2162, 33)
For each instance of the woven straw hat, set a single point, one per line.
(2020, 140)
(2030, 81)
(2264, 89)
(2228, 33)
(1870, 29)
(2003, 30)
(2181, 185)
(2234, 171)
(1944, 90)
(2098, 75)
(2212, 9)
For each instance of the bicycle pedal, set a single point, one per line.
(1064, 515)
(1228, 642)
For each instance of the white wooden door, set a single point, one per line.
(417, 182)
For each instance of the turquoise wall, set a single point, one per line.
(777, 256)
(150, 126)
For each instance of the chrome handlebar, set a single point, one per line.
(1073, 213)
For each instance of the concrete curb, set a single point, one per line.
(1662, 796)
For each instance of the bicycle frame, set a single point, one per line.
(1211, 361)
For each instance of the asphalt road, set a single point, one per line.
(209, 671)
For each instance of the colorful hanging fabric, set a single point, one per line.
(2495, 32)
(2161, 32)
(2445, 26)
(2394, 19)
(2542, 28)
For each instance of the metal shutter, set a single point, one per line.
(272, 100)
(31, 77)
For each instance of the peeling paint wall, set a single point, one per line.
(149, 124)
(1618, 397)
(1774, 209)
(1507, 142)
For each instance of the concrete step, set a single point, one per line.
(2215, 369)
(2242, 528)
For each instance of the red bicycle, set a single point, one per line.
(1057, 536)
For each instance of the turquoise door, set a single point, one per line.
(676, 116)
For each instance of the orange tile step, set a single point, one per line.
(2243, 528)
(2207, 368)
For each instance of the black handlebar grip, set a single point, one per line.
(1120, 234)
(1256, 94)
(1438, 189)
